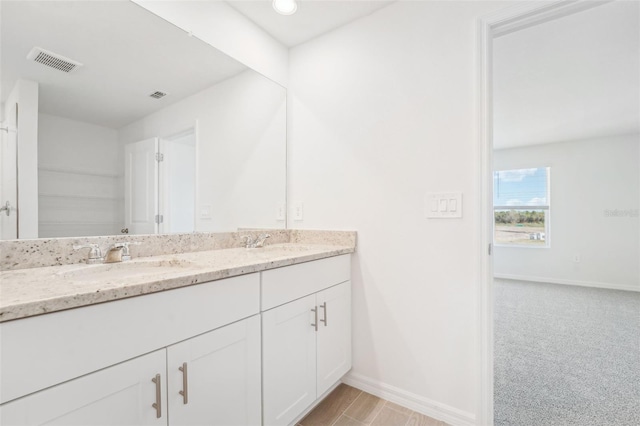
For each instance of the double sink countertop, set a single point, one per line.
(35, 291)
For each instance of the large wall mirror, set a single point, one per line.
(116, 121)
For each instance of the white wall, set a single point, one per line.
(80, 178)
(241, 149)
(382, 111)
(220, 25)
(588, 178)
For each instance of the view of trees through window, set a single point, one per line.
(521, 206)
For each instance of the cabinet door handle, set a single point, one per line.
(315, 312)
(185, 383)
(324, 309)
(158, 404)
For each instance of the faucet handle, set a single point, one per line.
(95, 254)
(125, 248)
(261, 239)
(248, 240)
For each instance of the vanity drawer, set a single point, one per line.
(45, 350)
(282, 285)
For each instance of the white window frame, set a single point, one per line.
(547, 215)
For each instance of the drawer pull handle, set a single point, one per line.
(185, 384)
(324, 309)
(315, 312)
(158, 404)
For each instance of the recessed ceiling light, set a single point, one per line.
(285, 7)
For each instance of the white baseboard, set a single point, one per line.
(567, 282)
(437, 410)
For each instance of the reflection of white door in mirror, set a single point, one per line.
(8, 178)
(177, 188)
(141, 187)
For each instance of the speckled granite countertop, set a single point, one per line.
(35, 291)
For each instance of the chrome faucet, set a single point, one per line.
(258, 242)
(118, 252)
(114, 254)
(95, 254)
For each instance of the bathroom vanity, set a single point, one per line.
(224, 337)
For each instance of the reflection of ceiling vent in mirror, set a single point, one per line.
(53, 60)
(158, 94)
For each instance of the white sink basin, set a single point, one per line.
(109, 271)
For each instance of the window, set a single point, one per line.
(521, 207)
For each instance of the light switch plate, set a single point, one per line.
(205, 212)
(443, 205)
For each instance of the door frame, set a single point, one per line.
(502, 22)
(8, 128)
(128, 195)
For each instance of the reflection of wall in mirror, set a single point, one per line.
(80, 178)
(220, 25)
(241, 152)
(241, 162)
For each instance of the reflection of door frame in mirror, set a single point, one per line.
(141, 157)
(502, 22)
(164, 193)
(9, 227)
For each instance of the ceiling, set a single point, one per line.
(127, 53)
(312, 18)
(573, 78)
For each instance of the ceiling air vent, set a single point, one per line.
(158, 94)
(53, 60)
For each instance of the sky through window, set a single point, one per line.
(521, 187)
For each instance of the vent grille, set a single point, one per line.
(53, 60)
(158, 94)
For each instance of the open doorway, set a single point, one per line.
(178, 183)
(160, 184)
(566, 233)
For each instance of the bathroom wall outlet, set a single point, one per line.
(281, 211)
(205, 212)
(298, 211)
(576, 258)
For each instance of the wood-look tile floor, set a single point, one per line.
(348, 406)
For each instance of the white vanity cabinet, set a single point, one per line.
(211, 379)
(86, 366)
(333, 338)
(214, 379)
(119, 395)
(306, 342)
(254, 349)
(289, 360)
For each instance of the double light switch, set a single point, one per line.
(443, 205)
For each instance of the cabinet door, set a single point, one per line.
(118, 395)
(289, 360)
(218, 374)
(334, 335)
